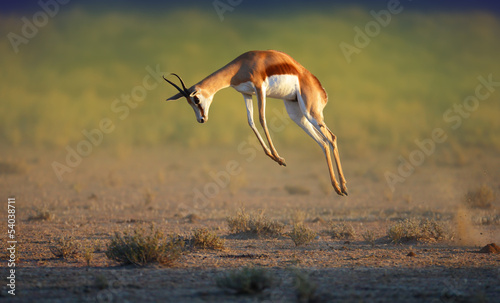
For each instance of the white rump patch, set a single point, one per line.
(282, 87)
(277, 86)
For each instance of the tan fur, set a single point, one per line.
(255, 66)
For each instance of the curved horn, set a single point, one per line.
(182, 82)
(183, 92)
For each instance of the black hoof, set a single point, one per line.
(344, 191)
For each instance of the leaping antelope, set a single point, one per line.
(277, 75)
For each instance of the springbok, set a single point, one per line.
(271, 74)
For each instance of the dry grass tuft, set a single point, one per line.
(64, 247)
(149, 197)
(248, 280)
(256, 225)
(482, 197)
(301, 234)
(42, 214)
(88, 253)
(192, 218)
(205, 239)
(341, 230)
(140, 249)
(417, 230)
(369, 237)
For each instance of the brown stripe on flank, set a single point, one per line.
(281, 69)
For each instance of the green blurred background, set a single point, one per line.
(396, 90)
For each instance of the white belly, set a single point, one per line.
(277, 86)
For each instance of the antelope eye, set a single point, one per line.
(196, 100)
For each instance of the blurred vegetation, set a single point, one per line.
(393, 92)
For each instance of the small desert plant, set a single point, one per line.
(64, 247)
(248, 280)
(88, 254)
(369, 237)
(305, 289)
(482, 197)
(257, 225)
(149, 197)
(301, 234)
(417, 230)
(140, 249)
(203, 238)
(341, 230)
(41, 214)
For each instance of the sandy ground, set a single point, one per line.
(180, 189)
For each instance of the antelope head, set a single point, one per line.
(195, 97)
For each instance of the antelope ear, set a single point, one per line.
(175, 97)
(194, 93)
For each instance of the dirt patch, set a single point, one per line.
(105, 195)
